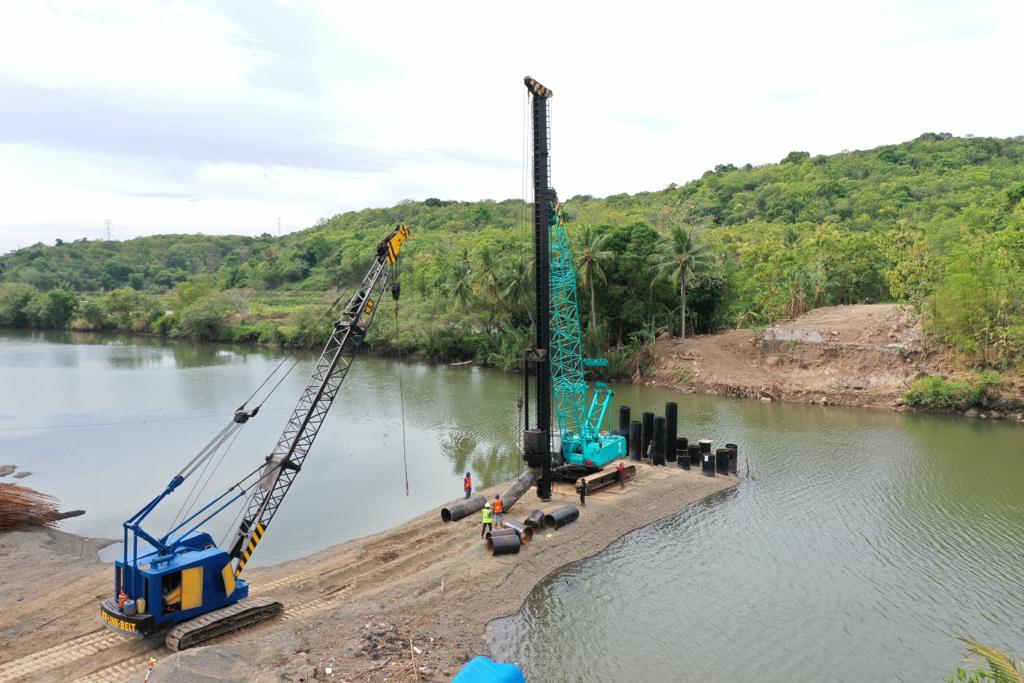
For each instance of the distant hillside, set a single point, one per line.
(937, 221)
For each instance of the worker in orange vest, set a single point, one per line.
(467, 484)
(499, 512)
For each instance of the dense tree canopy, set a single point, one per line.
(937, 221)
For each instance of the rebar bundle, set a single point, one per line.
(24, 508)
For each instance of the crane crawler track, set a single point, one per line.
(221, 621)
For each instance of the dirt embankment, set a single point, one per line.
(857, 355)
(411, 603)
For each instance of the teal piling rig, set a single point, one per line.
(557, 357)
(579, 426)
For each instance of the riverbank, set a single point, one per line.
(416, 598)
(858, 355)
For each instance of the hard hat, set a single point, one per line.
(487, 505)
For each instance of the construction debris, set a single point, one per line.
(24, 508)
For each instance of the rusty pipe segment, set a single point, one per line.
(462, 508)
(535, 519)
(524, 532)
(503, 544)
(562, 516)
(518, 488)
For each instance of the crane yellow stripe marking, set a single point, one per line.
(229, 579)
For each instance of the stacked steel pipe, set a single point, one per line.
(671, 430)
(634, 439)
(646, 433)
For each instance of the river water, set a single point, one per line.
(861, 547)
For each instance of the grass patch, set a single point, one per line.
(938, 393)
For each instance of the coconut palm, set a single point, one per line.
(684, 258)
(518, 285)
(590, 259)
(462, 288)
(1001, 666)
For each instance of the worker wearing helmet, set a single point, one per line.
(486, 519)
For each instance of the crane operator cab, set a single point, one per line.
(172, 588)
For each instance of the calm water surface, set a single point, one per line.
(168, 400)
(865, 544)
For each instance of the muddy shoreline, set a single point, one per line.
(410, 603)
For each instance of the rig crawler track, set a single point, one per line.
(221, 621)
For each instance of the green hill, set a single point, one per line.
(937, 221)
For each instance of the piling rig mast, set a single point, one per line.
(537, 440)
(556, 360)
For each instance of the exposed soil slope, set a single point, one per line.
(862, 355)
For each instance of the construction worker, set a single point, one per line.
(622, 475)
(499, 512)
(581, 486)
(467, 484)
(486, 520)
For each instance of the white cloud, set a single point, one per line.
(131, 44)
(226, 118)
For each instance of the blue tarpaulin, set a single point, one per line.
(483, 670)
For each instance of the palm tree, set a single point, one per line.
(590, 257)
(461, 289)
(684, 258)
(518, 285)
(1001, 666)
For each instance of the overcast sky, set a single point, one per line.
(222, 116)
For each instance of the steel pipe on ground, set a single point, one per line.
(503, 544)
(499, 532)
(462, 508)
(722, 460)
(646, 433)
(634, 439)
(535, 519)
(671, 430)
(518, 488)
(524, 532)
(733, 457)
(561, 517)
(682, 452)
(658, 454)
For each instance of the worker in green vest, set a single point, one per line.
(486, 519)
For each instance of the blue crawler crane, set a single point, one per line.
(184, 582)
(556, 360)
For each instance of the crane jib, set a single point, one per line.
(286, 460)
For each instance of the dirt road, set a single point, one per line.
(411, 603)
